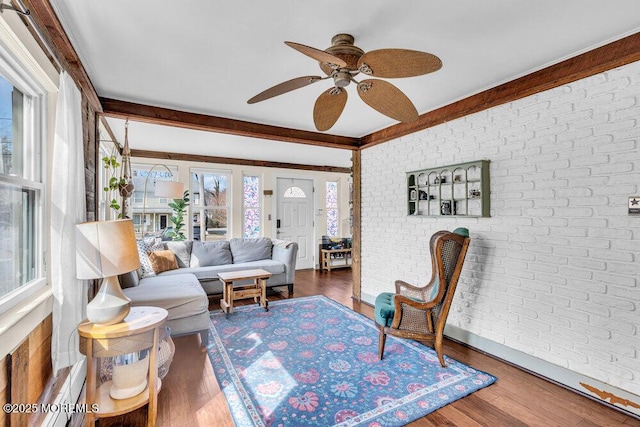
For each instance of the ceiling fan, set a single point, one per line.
(342, 62)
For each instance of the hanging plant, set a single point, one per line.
(125, 184)
(112, 188)
(179, 207)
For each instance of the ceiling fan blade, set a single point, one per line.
(396, 63)
(328, 108)
(318, 55)
(387, 99)
(284, 87)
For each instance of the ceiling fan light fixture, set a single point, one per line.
(341, 78)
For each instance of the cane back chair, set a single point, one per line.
(420, 313)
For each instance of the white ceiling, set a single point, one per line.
(209, 57)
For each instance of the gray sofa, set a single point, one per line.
(183, 291)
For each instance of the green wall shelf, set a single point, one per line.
(460, 190)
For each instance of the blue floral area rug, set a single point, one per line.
(313, 362)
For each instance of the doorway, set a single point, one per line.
(294, 217)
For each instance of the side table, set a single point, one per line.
(138, 331)
(327, 256)
(258, 289)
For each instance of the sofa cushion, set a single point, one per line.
(211, 272)
(182, 250)
(162, 260)
(246, 250)
(181, 295)
(145, 246)
(205, 254)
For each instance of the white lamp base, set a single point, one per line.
(110, 304)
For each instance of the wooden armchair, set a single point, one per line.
(420, 313)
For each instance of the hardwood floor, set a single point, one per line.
(191, 395)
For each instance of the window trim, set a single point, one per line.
(30, 82)
(198, 208)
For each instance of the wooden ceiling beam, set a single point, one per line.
(607, 57)
(202, 122)
(231, 161)
(57, 43)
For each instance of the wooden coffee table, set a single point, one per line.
(258, 289)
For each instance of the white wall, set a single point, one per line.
(269, 203)
(554, 273)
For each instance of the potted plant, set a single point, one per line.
(179, 207)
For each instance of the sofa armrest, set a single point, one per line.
(286, 254)
(129, 280)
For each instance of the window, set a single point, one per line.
(294, 193)
(22, 108)
(154, 208)
(251, 202)
(332, 208)
(211, 201)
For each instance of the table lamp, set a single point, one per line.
(105, 249)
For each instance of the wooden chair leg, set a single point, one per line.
(381, 342)
(437, 345)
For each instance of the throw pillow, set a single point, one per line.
(145, 246)
(205, 254)
(245, 250)
(182, 251)
(163, 260)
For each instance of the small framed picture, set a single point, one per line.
(446, 207)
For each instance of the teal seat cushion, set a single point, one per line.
(384, 309)
(462, 231)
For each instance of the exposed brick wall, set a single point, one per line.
(555, 271)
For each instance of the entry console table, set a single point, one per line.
(140, 330)
(341, 257)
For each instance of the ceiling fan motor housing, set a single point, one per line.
(343, 48)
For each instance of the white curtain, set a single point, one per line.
(67, 209)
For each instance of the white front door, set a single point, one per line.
(294, 219)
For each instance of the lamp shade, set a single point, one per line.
(105, 248)
(169, 189)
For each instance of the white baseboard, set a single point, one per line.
(547, 370)
(64, 404)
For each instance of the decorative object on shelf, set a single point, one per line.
(104, 250)
(413, 195)
(166, 351)
(446, 207)
(129, 376)
(125, 184)
(457, 190)
(168, 189)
